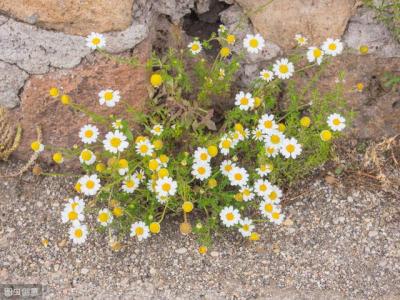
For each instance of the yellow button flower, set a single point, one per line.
(155, 227)
(212, 150)
(326, 135)
(156, 80)
(65, 99)
(58, 157)
(54, 92)
(187, 206)
(305, 122)
(203, 250)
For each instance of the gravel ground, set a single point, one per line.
(343, 244)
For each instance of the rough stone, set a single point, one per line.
(364, 29)
(36, 50)
(123, 40)
(377, 107)
(59, 123)
(176, 9)
(279, 21)
(12, 79)
(72, 16)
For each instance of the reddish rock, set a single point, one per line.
(61, 124)
(377, 107)
(72, 16)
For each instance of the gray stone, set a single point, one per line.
(176, 9)
(364, 29)
(36, 50)
(3, 19)
(124, 40)
(12, 79)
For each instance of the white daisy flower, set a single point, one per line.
(225, 145)
(315, 54)
(144, 148)
(88, 134)
(130, 184)
(109, 97)
(201, 170)
(264, 170)
(71, 215)
(332, 47)
(151, 185)
(236, 137)
(201, 155)
(238, 176)
(76, 204)
(266, 207)
(247, 193)
(117, 124)
(227, 166)
(271, 151)
(246, 133)
(123, 167)
(157, 129)
(274, 194)
(115, 142)
(229, 216)
(162, 199)
(37, 147)
(336, 122)
(166, 186)
(257, 134)
(262, 187)
(195, 47)
(245, 101)
(283, 69)
(140, 230)
(95, 41)
(105, 217)
(246, 227)
(266, 75)
(140, 175)
(274, 138)
(276, 217)
(87, 157)
(90, 184)
(301, 40)
(291, 148)
(253, 43)
(266, 123)
(78, 233)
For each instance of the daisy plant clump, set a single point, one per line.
(217, 155)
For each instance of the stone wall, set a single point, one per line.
(42, 45)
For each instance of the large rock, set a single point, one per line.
(377, 107)
(61, 124)
(279, 21)
(12, 79)
(364, 29)
(72, 16)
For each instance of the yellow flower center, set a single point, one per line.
(203, 156)
(86, 155)
(275, 215)
(246, 227)
(72, 215)
(275, 139)
(253, 43)
(226, 144)
(96, 41)
(228, 168)
(317, 53)
(268, 124)
(336, 122)
(103, 217)
(246, 192)
(78, 233)
(266, 75)
(108, 96)
(273, 195)
(258, 133)
(166, 187)
(139, 231)
(283, 69)
(88, 133)
(290, 148)
(115, 142)
(201, 170)
(195, 47)
(244, 101)
(230, 216)
(90, 184)
(35, 146)
(130, 184)
(263, 187)
(238, 176)
(332, 46)
(143, 149)
(268, 207)
(230, 39)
